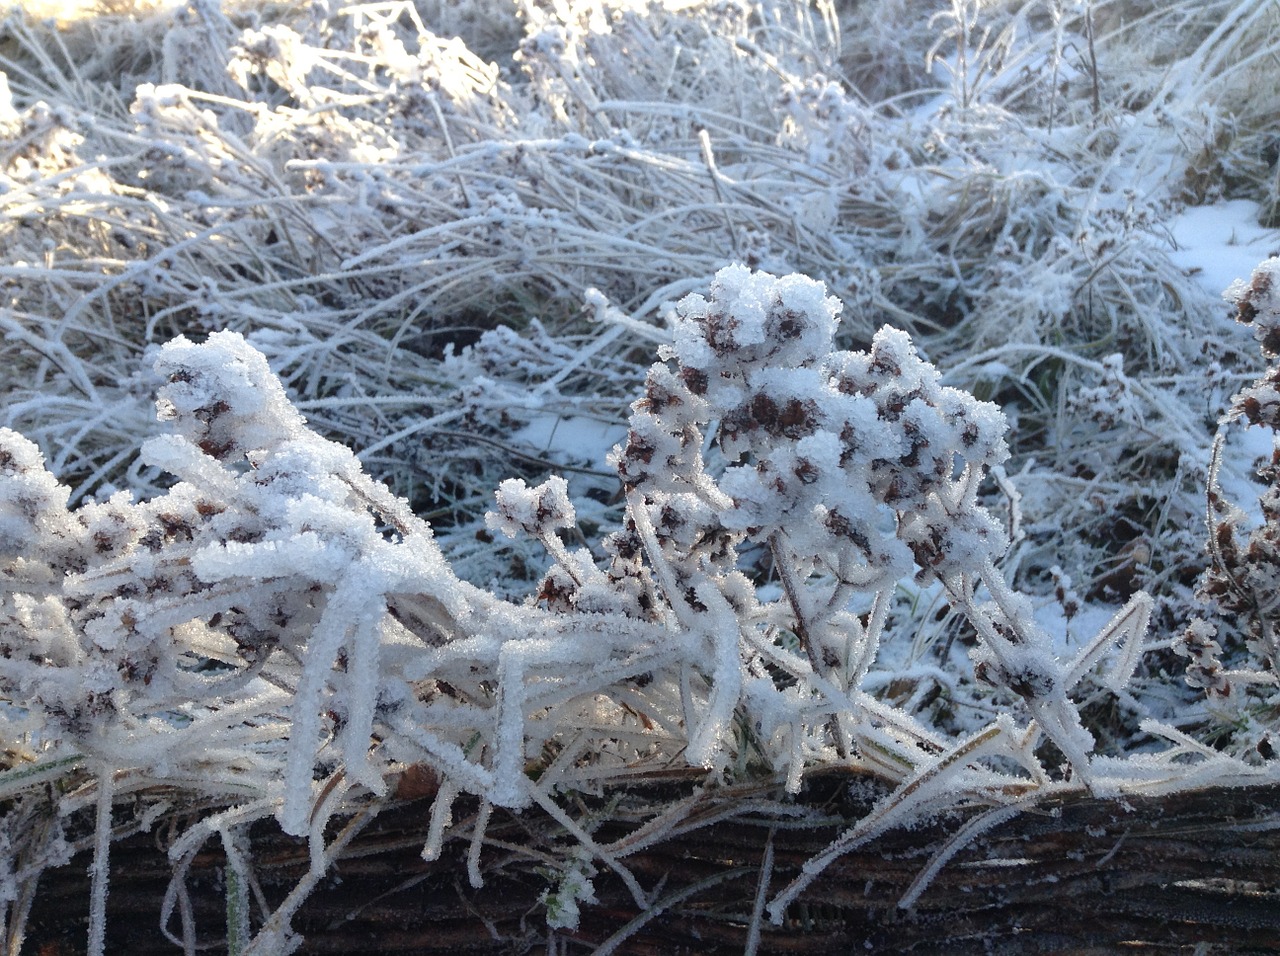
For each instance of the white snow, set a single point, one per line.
(1222, 243)
(570, 439)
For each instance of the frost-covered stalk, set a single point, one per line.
(278, 630)
(229, 599)
(853, 468)
(1242, 581)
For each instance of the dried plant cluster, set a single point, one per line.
(279, 632)
(356, 189)
(930, 505)
(1239, 585)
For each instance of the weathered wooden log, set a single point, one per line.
(1076, 874)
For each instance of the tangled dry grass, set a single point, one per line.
(455, 230)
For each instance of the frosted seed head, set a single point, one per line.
(33, 505)
(223, 397)
(1258, 304)
(535, 511)
(1204, 667)
(558, 591)
(752, 319)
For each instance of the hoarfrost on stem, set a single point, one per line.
(1240, 584)
(307, 629)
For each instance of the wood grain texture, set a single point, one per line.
(1077, 875)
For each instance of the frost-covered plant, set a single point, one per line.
(365, 199)
(853, 466)
(1240, 586)
(276, 631)
(355, 189)
(358, 191)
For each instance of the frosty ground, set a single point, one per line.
(553, 393)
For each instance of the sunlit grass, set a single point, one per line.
(68, 11)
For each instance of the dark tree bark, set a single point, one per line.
(1079, 874)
